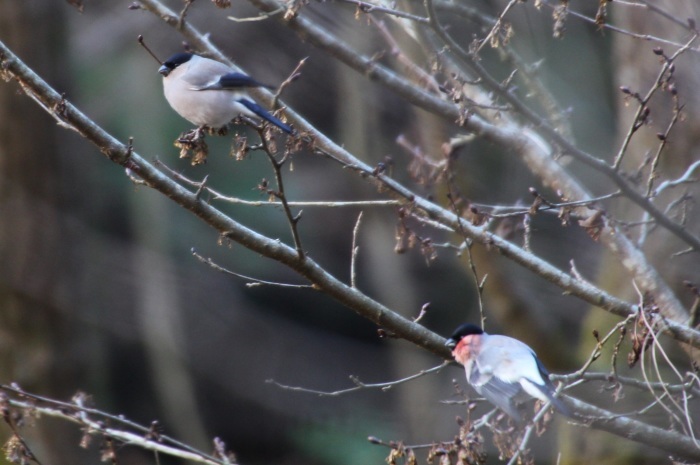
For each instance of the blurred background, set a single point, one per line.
(99, 291)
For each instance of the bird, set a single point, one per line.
(502, 369)
(209, 93)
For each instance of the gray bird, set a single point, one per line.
(504, 370)
(209, 93)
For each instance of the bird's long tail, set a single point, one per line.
(262, 113)
(560, 406)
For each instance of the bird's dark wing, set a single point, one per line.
(500, 393)
(238, 80)
(264, 114)
(229, 81)
(548, 389)
(543, 370)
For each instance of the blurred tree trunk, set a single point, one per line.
(32, 243)
(28, 184)
(636, 66)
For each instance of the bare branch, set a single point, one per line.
(611, 27)
(259, 17)
(522, 447)
(280, 194)
(360, 385)
(496, 29)
(676, 444)
(79, 414)
(253, 281)
(639, 116)
(689, 386)
(353, 255)
(684, 178)
(367, 7)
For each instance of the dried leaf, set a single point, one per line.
(559, 14)
(593, 224)
(78, 4)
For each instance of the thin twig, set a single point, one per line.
(597, 350)
(410, 67)
(544, 207)
(293, 76)
(522, 447)
(260, 17)
(656, 347)
(527, 232)
(367, 7)
(496, 29)
(216, 195)
(355, 250)
(280, 194)
(688, 386)
(644, 102)
(470, 258)
(684, 178)
(360, 385)
(183, 13)
(533, 83)
(10, 447)
(617, 29)
(664, 141)
(253, 281)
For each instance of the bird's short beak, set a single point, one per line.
(451, 343)
(164, 70)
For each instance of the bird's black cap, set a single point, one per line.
(463, 330)
(173, 62)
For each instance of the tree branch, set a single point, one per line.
(73, 412)
(678, 445)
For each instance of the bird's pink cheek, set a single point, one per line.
(461, 353)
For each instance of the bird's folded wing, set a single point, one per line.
(237, 80)
(231, 81)
(500, 393)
